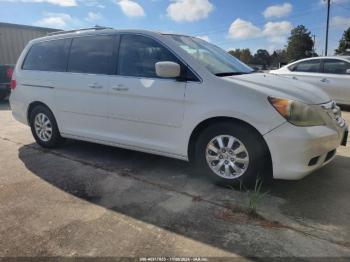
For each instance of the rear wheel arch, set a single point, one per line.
(34, 105)
(44, 126)
(212, 121)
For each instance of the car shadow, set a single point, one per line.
(4, 105)
(321, 198)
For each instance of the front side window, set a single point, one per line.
(92, 55)
(335, 66)
(139, 54)
(47, 56)
(216, 60)
(310, 66)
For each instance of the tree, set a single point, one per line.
(242, 54)
(344, 43)
(300, 44)
(262, 57)
(278, 58)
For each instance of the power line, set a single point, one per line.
(254, 38)
(346, 8)
(226, 28)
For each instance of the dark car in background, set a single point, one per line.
(5, 79)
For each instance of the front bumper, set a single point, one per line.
(298, 151)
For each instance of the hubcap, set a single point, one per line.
(43, 127)
(227, 156)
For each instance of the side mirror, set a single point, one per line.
(348, 71)
(168, 69)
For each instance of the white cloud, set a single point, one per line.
(340, 21)
(278, 10)
(189, 10)
(274, 32)
(241, 29)
(204, 37)
(277, 31)
(65, 3)
(131, 8)
(92, 16)
(92, 3)
(59, 21)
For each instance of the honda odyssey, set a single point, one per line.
(175, 96)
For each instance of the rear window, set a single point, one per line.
(47, 56)
(335, 66)
(92, 55)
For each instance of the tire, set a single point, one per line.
(3, 96)
(232, 156)
(50, 137)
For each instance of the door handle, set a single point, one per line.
(295, 78)
(324, 80)
(120, 88)
(96, 86)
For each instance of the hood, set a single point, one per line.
(283, 87)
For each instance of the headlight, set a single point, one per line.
(297, 113)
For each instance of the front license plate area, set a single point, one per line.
(345, 138)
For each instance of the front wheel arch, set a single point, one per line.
(215, 120)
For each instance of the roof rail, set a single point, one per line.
(79, 30)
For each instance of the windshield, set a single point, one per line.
(215, 59)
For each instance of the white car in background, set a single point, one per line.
(331, 73)
(175, 96)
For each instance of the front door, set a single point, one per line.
(146, 111)
(307, 71)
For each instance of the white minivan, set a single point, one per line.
(175, 96)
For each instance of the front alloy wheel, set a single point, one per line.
(227, 156)
(230, 153)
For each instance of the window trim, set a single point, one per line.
(183, 64)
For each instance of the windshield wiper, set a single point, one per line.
(231, 73)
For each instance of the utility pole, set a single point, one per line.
(327, 29)
(314, 46)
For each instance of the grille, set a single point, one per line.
(334, 112)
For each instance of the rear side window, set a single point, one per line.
(138, 56)
(310, 66)
(47, 56)
(92, 55)
(335, 66)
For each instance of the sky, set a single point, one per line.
(230, 24)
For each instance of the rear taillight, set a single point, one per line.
(9, 72)
(13, 84)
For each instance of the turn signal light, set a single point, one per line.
(283, 106)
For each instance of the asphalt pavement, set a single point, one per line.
(91, 200)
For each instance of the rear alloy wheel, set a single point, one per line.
(44, 127)
(230, 153)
